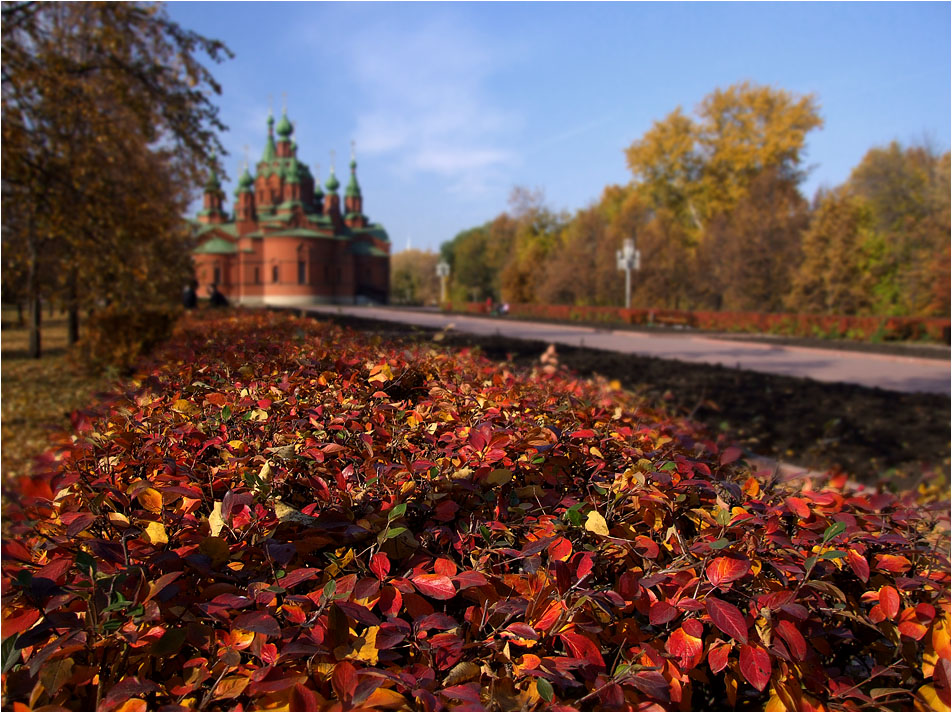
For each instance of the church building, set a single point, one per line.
(288, 242)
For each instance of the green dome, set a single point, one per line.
(332, 183)
(353, 189)
(284, 128)
(245, 181)
(213, 183)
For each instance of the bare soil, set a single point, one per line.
(872, 434)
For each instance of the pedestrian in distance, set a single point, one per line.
(190, 295)
(216, 298)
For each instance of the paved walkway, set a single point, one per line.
(896, 373)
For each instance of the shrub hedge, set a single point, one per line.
(288, 516)
(795, 325)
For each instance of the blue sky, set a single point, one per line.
(453, 104)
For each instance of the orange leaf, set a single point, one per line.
(722, 570)
(889, 601)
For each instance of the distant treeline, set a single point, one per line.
(716, 210)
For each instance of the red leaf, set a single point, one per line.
(303, 699)
(297, 576)
(688, 648)
(583, 433)
(730, 455)
(727, 618)
(582, 647)
(717, 657)
(755, 665)
(468, 578)
(561, 549)
(258, 622)
(798, 507)
(912, 629)
(791, 634)
(889, 601)
(14, 550)
(859, 564)
(437, 586)
(20, 622)
(726, 569)
(444, 566)
(647, 547)
(585, 564)
(54, 570)
(380, 565)
(896, 564)
(344, 681)
(76, 522)
(661, 613)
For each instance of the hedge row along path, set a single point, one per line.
(886, 371)
(284, 515)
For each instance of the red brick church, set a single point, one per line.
(288, 242)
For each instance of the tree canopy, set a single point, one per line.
(107, 128)
(716, 208)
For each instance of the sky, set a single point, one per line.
(451, 105)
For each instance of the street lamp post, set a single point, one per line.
(443, 271)
(629, 258)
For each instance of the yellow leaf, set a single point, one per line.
(596, 523)
(150, 499)
(368, 652)
(118, 520)
(133, 704)
(931, 699)
(595, 452)
(185, 406)
(154, 533)
(385, 699)
(215, 521)
(500, 476)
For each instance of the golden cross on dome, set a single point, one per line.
(353, 150)
(333, 154)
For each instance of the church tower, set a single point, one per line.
(213, 201)
(353, 200)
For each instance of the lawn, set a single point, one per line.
(38, 395)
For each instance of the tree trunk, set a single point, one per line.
(35, 350)
(33, 292)
(20, 319)
(72, 322)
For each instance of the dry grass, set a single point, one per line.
(37, 394)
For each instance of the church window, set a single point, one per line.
(274, 273)
(217, 279)
(302, 272)
(257, 275)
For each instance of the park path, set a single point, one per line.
(894, 373)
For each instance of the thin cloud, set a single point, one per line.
(423, 102)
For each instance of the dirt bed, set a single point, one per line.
(869, 433)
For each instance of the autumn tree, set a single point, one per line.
(106, 127)
(908, 193)
(701, 168)
(749, 255)
(413, 278)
